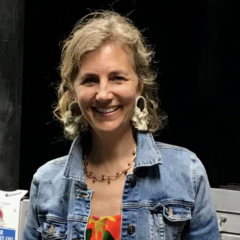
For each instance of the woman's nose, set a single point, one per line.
(104, 93)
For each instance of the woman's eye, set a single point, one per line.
(90, 80)
(117, 78)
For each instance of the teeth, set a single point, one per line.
(106, 110)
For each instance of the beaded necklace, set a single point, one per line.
(104, 177)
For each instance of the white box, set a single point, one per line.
(13, 214)
(227, 205)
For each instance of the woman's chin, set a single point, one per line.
(111, 128)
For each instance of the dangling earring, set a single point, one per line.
(74, 121)
(140, 118)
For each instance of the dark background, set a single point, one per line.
(197, 46)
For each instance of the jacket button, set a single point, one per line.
(133, 182)
(131, 229)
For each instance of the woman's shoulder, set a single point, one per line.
(54, 162)
(174, 150)
(181, 164)
(179, 156)
(51, 169)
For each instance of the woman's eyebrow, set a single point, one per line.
(118, 72)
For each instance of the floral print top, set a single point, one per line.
(103, 228)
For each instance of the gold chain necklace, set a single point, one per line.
(108, 178)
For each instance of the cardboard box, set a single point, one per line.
(13, 214)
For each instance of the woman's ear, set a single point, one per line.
(140, 88)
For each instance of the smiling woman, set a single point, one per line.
(116, 182)
(92, 33)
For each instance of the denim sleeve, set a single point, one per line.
(203, 224)
(32, 223)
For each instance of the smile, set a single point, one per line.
(106, 110)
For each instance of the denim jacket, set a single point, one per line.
(166, 197)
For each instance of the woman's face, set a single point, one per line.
(106, 88)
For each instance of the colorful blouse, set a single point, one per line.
(103, 228)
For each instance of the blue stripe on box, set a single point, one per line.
(7, 234)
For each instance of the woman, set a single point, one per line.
(116, 182)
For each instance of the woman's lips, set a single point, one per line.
(106, 109)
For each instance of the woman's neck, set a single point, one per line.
(110, 148)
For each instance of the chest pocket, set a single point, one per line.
(53, 231)
(169, 219)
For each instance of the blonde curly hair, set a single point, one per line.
(90, 33)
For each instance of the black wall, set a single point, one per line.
(11, 64)
(197, 46)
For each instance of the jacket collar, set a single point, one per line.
(147, 155)
(73, 167)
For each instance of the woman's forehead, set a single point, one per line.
(110, 57)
